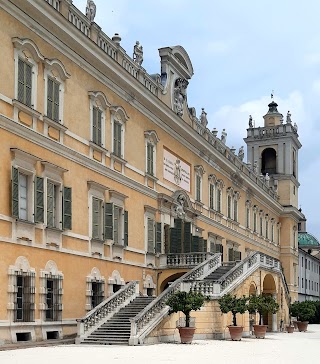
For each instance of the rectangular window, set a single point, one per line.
(97, 293)
(219, 195)
(267, 230)
(272, 232)
(150, 150)
(235, 210)
(52, 205)
(24, 301)
(261, 226)
(211, 196)
(151, 235)
(24, 82)
(23, 196)
(117, 131)
(53, 99)
(53, 298)
(198, 188)
(255, 222)
(96, 125)
(247, 217)
(96, 218)
(229, 207)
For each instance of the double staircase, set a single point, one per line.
(219, 272)
(116, 331)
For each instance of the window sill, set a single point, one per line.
(97, 147)
(54, 124)
(151, 176)
(54, 229)
(119, 245)
(97, 240)
(118, 159)
(27, 222)
(27, 109)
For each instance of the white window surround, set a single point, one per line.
(233, 198)
(151, 137)
(198, 172)
(28, 51)
(50, 270)
(97, 191)
(54, 174)
(94, 276)
(26, 165)
(99, 100)
(114, 279)
(54, 69)
(118, 114)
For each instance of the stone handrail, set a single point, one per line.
(185, 259)
(106, 309)
(240, 272)
(147, 320)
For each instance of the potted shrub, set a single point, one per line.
(186, 302)
(262, 304)
(290, 328)
(303, 311)
(229, 303)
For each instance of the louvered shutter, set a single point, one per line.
(116, 216)
(126, 225)
(151, 235)
(67, 208)
(187, 237)
(200, 246)
(195, 244)
(21, 80)
(167, 238)
(108, 221)
(179, 226)
(204, 246)
(237, 255)
(158, 237)
(28, 84)
(150, 158)
(231, 255)
(39, 197)
(15, 192)
(96, 218)
(174, 240)
(50, 98)
(56, 97)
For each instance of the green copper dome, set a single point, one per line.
(306, 239)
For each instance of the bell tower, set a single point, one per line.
(273, 151)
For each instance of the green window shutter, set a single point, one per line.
(187, 237)
(235, 210)
(56, 97)
(167, 238)
(150, 158)
(218, 200)
(200, 247)
(231, 255)
(198, 188)
(179, 226)
(151, 235)
(158, 237)
(96, 125)
(15, 192)
(117, 139)
(28, 84)
(211, 196)
(174, 240)
(204, 245)
(108, 221)
(96, 218)
(229, 207)
(237, 255)
(195, 244)
(39, 197)
(21, 80)
(50, 98)
(67, 208)
(116, 223)
(125, 226)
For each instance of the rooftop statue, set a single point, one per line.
(250, 122)
(288, 118)
(90, 10)
(203, 118)
(241, 153)
(224, 136)
(138, 53)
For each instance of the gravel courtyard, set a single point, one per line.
(275, 348)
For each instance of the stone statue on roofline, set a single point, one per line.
(255, 167)
(241, 153)
(288, 118)
(179, 94)
(224, 136)
(90, 10)
(138, 53)
(203, 118)
(250, 122)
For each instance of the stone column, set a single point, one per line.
(274, 318)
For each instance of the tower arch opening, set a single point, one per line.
(269, 161)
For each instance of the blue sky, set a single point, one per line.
(240, 51)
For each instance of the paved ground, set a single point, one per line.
(278, 348)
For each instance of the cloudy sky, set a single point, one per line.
(240, 51)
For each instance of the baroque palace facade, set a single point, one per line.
(113, 188)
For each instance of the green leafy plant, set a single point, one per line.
(262, 304)
(229, 303)
(186, 302)
(303, 311)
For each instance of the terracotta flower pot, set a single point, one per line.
(260, 331)
(235, 332)
(302, 325)
(290, 329)
(186, 334)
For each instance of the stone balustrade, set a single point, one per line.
(106, 309)
(183, 260)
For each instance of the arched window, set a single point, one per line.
(269, 161)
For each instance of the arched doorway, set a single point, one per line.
(167, 281)
(269, 289)
(269, 161)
